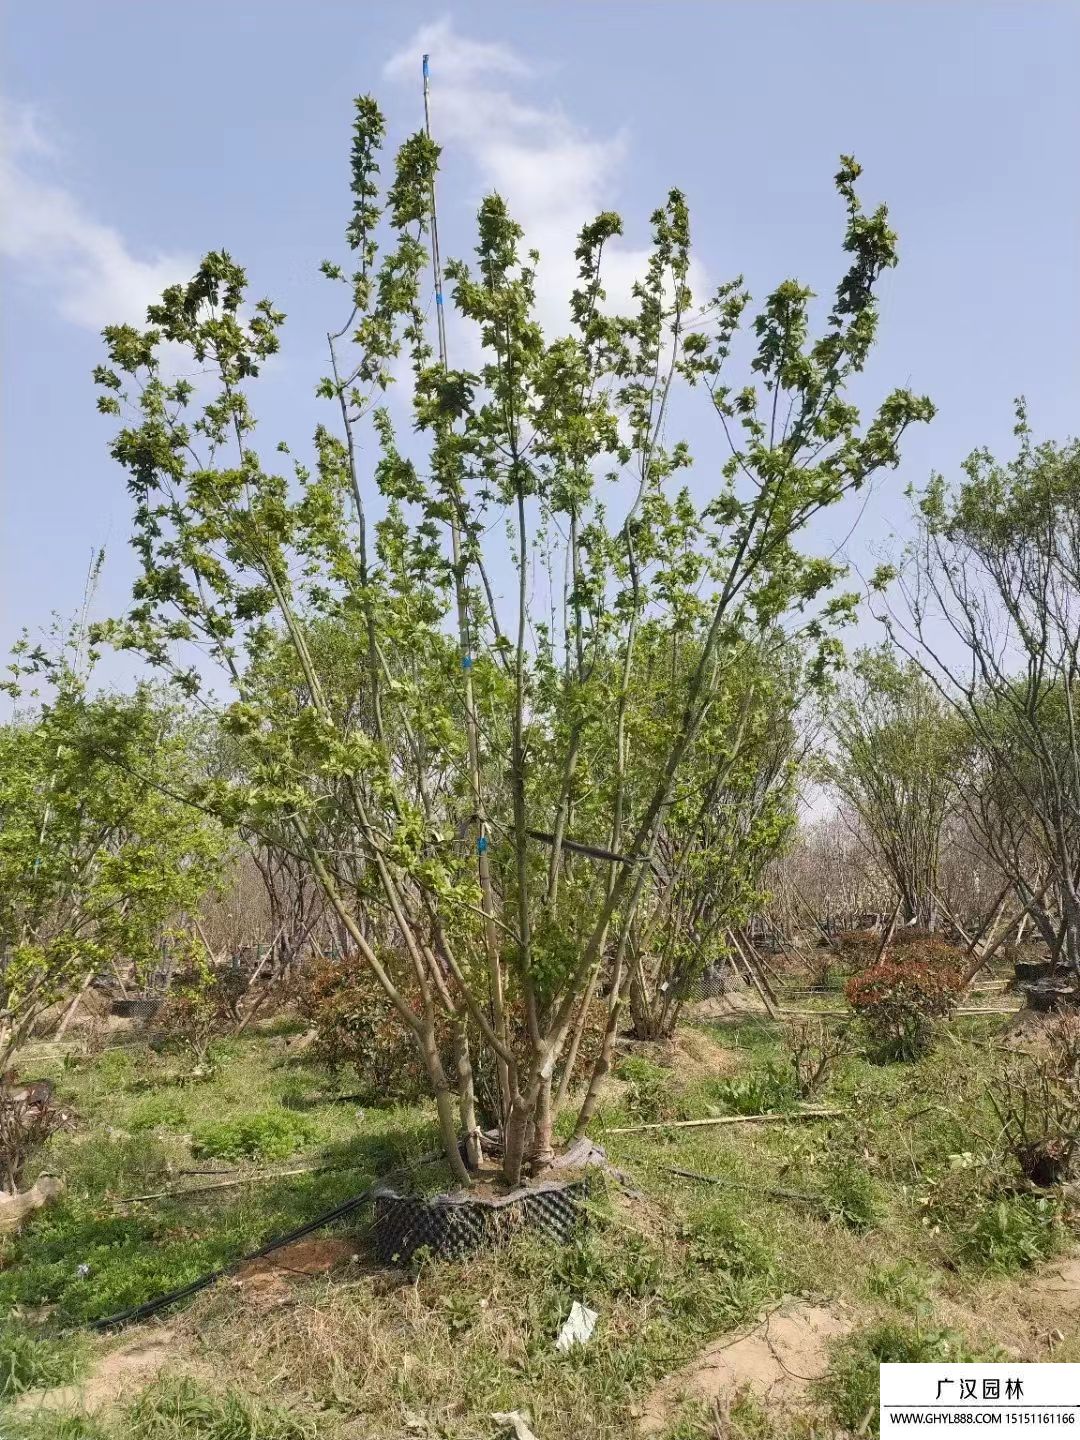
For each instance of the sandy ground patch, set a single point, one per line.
(118, 1376)
(777, 1361)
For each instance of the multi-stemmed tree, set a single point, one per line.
(470, 774)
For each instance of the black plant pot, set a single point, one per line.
(1048, 995)
(137, 1009)
(1029, 971)
(453, 1226)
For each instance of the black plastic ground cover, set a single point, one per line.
(454, 1226)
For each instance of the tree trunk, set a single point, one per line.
(543, 1152)
(474, 1150)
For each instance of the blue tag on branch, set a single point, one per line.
(481, 845)
(466, 662)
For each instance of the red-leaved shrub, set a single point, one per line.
(358, 1028)
(901, 998)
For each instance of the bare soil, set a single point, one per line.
(119, 1376)
(776, 1361)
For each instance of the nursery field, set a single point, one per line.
(541, 900)
(747, 1276)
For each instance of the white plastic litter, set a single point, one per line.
(578, 1327)
(516, 1421)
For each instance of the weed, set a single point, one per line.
(53, 1425)
(852, 1195)
(1011, 1233)
(633, 1268)
(899, 1285)
(158, 1112)
(29, 1362)
(851, 1387)
(761, 1091)
(649, 1091)
(115, 1069)
(721, 1239)
(271, 1135)
(185, 1410)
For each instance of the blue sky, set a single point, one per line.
(141, 135)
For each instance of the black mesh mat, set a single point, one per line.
(711, 984)
(453, 1226)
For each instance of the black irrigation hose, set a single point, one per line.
(162, 1302)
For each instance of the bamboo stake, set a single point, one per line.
(816, 1114)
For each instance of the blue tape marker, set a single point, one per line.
(425, 67)
(438, 297)
(466, 662)
(481, 845)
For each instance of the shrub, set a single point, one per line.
(1037, 1101)
(28, 1117)
(197, 1010)
(271, 1135)
(356, 1027)
(813, 1048)
(900, 1000)
(824, 970)
(855, 948)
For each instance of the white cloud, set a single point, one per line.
(553, 175)
(85, 265)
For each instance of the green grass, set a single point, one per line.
(98, 1250)
(29, 1363)
(906, 1171)
(851, 1387)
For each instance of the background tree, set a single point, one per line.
(444, 798)
(98, 856)
(894, 759)
(989, 607)
(733, 812)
